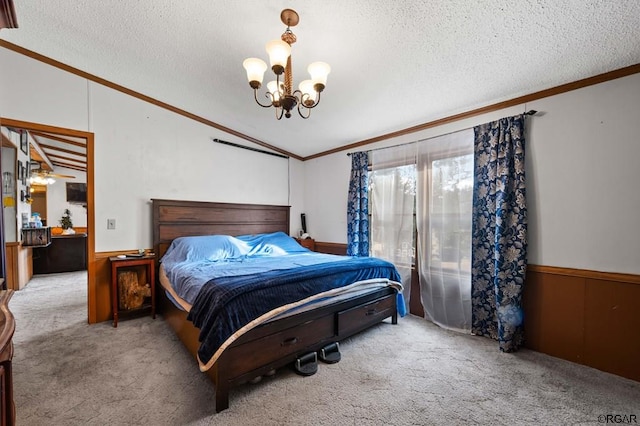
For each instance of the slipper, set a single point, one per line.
(330, 353)
(307, 364)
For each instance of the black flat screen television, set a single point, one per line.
(76, 193)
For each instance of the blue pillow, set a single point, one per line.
(274, 244)
(206, 247)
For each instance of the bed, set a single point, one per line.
(278, 339)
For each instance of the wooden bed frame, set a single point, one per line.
(274, 344)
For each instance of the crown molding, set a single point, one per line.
(585, 82)
(138, 95)
(568, 87)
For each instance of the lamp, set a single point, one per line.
(279, 92)
(7, 182)
(41, 180)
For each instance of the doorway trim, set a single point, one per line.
(91, 256)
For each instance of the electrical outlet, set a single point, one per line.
(111, 224)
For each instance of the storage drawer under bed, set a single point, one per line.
(360, 317)
(278, 345)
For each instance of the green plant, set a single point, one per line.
(65, 221)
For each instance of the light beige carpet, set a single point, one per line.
(69, 373)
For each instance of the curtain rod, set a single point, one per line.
(249, 148)
(530, 112)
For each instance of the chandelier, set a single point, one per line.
(280, 92)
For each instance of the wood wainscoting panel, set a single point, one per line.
(103, 286)
(612, 327)
(18, 264)
(553, 315)
(589, 317)
(331, 248)
(11, 266)
(25, 265)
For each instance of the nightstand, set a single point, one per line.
(309, 243)
(132, 285)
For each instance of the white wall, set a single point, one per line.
(57, 199)
(297, 190)
(143, 151)
(9, 212)
(583, 178)
(23, 80)
(582, 159)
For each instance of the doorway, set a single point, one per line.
(87, 140)
(39, 201)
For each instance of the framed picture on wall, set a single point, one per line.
(24, 142)
(23, 173)
(19, 173)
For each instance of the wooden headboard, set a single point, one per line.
(176, 218)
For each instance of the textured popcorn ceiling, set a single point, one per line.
(395, 64)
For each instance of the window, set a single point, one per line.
(421, 205)
(392, 215)
(451, 204)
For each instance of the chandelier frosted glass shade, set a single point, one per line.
(309, 94)
(319, 72)
(255, 71)
(278, 51)
(276, 90)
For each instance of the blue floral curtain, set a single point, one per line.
(499, 232)
(358, 206)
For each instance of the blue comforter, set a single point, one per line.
(226, 304)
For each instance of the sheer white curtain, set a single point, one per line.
(392, 200)
(443, 218)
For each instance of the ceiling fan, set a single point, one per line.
(40, 176)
